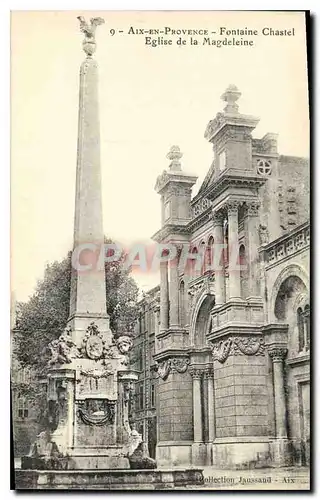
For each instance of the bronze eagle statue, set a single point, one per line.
(90, 29)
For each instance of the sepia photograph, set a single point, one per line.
(160, 250)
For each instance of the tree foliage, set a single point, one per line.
(44, 316)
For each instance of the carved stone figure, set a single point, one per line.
(94, 347)
(138, 453)
(263, 234)
(44, 454)
(63, 350)
(124, 344)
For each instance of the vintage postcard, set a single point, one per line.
(160, 320)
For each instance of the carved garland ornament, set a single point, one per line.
(97, 411)
(178, 365)
(237, 346)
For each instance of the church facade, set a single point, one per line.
(231, 328)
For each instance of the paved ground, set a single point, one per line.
(292, 478)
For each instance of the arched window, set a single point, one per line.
(300, 329)
(226, 243)
(243, 272)
(194, 263)
(208, 262)
(182, 304)
(202, 254)
(306, 315)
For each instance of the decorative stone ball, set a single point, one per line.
(89, 47)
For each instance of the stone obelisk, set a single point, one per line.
(89, 380)
(88, 289)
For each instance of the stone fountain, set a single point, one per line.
(88, 443)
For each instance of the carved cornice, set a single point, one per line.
(299, 360)
(200, 220)
(236, 121)
(230, 178)
(184, 180)
(169, 229)
(214, 125)
(277, 354)
(162, 180)
(238, 346)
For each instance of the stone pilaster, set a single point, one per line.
(211, 405)
(174, 292)
(156, 313)
(197, 407)
(280, 448)
(252, 246)
(164, 297)
(233, 242)
(218, 260)
(278, 355)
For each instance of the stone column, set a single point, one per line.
(278, 354)
(252, 246)
(197, 408)
(218, 261)
(164, 299)
(156, 310)
(174, 292)
(233, 242)
(211, 406)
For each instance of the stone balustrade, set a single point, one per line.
(287, 245)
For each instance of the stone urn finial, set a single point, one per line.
(174, 155)
(89, 30)
(231, 96)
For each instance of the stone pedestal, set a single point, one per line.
(88, 406)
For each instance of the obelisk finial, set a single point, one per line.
(89, 30)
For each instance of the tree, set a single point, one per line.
(44, 316)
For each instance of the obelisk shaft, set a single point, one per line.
(88, 289)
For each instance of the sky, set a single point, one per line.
(150, 99)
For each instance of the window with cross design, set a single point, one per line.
(263, 167)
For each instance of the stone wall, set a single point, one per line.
(241, 396)
(294, 172)
(175, 408)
